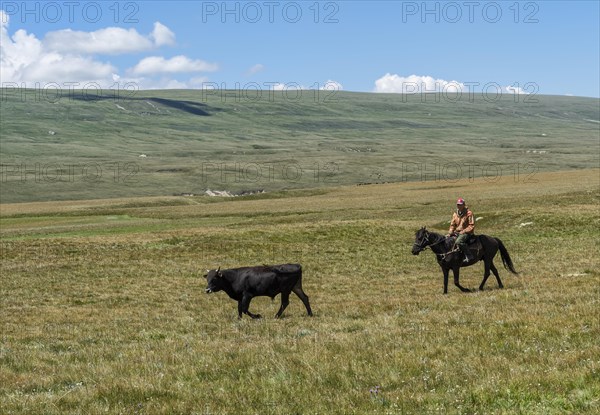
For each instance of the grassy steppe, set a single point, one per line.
(103, 309)
(70, 145)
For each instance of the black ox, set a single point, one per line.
(243, 284)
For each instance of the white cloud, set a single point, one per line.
(417, 84)
(177, 64)
(162, 35)
(3, 18)
(108, 41)
(255, 69)
(515, 90)
(198, 82)
(25, 59)
(166, 82)
(413, 84)
(66, 58)
(290, 86)
(332, 86)
(16, 52)
(278, 86)
(295, 86)
(54, 67)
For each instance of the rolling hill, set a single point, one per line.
(68, 145)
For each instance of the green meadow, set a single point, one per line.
(70, 145)
(106, 233)
(104, 310)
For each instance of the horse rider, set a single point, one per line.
(463, 224)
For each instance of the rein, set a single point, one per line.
(438, 242)
(443, 256)
(454, 249)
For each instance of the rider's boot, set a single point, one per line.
(468, 257)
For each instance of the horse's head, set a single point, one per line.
(421, 241)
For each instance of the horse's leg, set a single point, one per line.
(456, 271)
(486, 273)
(495, 271)
(446, 271)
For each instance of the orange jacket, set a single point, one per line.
(462, 224)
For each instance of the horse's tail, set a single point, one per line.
(506, 257)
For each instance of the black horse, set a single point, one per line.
(450, 258)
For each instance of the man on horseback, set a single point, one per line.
(463, 224)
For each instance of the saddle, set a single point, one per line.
(473, 245)
(472, 239)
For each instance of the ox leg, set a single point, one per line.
(456, 272)
(246, 304)
(302, 295)
(495, 271)
(285, 300)
(240, 309)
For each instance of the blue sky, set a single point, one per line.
(543, 47)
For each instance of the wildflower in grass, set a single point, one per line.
(375, 391)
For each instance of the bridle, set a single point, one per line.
(421, 245)
(425, 239)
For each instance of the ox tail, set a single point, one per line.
(506, 257)
(299, 273)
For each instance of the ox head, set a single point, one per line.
(421, 240)
(213, 280)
